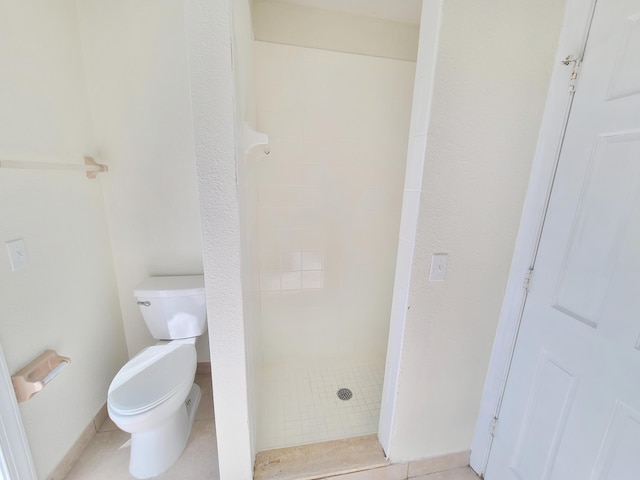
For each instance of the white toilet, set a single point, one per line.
(153, 396)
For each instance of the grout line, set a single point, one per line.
(305, 399)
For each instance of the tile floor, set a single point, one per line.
(107, 455)
(359, 458)
(395, 472)
(300, 406)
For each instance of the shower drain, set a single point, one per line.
(345, 394)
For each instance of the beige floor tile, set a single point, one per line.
(108, 426)
(205, 409)
(72, 456)
(107, 457)
(439, 464)
(390, 472)
(457, 474)
(200, 459)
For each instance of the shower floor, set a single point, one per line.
(300, 405)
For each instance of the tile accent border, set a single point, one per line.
(73, 455)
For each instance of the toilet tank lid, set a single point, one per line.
(170, 286)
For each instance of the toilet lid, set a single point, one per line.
(151, 377)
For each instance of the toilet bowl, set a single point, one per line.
(153, 396)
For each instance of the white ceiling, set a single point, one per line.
(400, 10)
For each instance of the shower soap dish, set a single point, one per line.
(31, 379)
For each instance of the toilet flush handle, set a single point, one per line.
(146, 304)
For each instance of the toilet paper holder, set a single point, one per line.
(32, 378)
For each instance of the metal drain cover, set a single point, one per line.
(345, 394)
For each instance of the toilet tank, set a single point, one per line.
(173, 307)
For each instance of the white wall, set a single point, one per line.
(289, 24)
(245, 114)
(209, 31)
(329, 199)
(420, 116)
(66, 298)
(492, 71)
(136, 70)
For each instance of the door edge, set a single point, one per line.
(572, 41)
(14, 445)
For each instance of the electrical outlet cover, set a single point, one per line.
(17, 254)
(438, 267)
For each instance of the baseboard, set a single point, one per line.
(203, 368)
(72, 456)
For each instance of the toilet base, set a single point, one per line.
(154, 451)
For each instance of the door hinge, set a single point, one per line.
(527, 280)
(492, 428)
(570, 59)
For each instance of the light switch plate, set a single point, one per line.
(438, 267)
(17, 254)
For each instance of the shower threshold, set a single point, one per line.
(320, 460)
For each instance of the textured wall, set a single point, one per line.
(419, 125)
(209, 32)
(66, 298)
(247, 200)
(492, 71)
(136, 70)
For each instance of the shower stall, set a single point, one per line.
(325, 206)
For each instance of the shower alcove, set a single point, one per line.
(322, 216)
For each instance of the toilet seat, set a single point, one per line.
(150, 378)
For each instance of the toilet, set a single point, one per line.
(153, 396)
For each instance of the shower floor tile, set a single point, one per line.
(300, 405)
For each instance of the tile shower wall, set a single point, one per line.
(329, 199)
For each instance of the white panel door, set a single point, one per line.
(571, 408)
